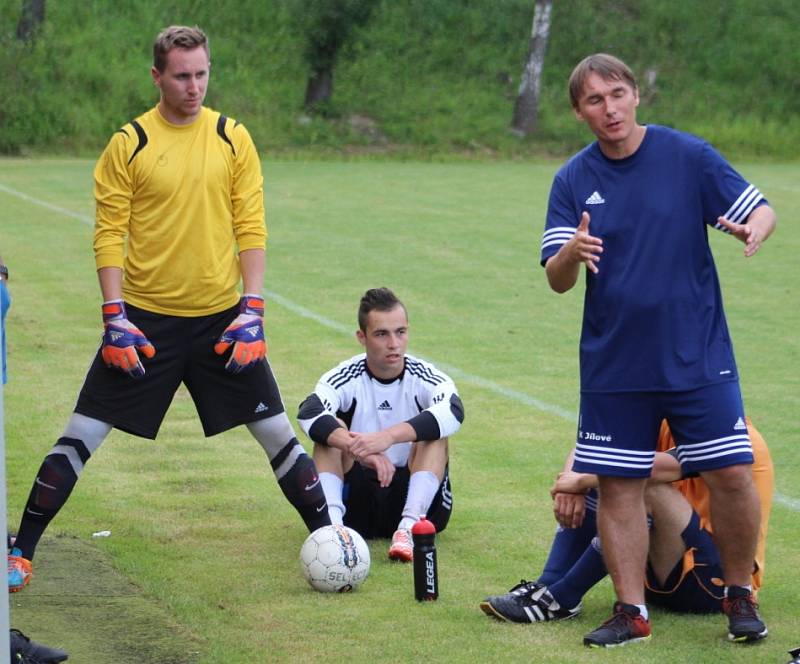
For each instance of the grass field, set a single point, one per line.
(199, 526)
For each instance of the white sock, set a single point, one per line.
(332, 486)
(422, 488)
(643, 610)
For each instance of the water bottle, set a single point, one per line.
(426, 581)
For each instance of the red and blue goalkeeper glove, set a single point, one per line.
(246, 334)
(121, 339)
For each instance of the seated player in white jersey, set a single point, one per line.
(380, 423)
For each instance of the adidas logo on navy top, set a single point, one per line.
(260, 408)
(385, 406)
(739, 425)
(595, 199)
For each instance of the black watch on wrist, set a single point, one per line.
(3, 271)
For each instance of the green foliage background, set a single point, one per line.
(435, 77)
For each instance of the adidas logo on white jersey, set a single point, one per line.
(595, 199)
(739, 425)
(260, 408)
(385, 406)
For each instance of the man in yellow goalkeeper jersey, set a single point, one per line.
(179, 225)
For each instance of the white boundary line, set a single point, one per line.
(455, 372)
(49, 206)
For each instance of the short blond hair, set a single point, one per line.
(177, 36)
(607, 66)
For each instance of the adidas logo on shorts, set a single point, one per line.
(740, 425)
(260, 408)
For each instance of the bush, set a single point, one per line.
(423, 76)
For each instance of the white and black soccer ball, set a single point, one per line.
(334, 559)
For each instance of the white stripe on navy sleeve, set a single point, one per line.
(742, 207)
(557, 236)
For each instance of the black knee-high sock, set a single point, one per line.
(53, 484)
(298, 479)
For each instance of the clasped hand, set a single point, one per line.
(368, 449)
(569, 503)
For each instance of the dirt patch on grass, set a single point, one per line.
(77, 601)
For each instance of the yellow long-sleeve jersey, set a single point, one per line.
(175, 205)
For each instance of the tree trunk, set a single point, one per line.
(318, 89)
(329, 26)
(30, 20)
(526, 107)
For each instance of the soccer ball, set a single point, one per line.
(334, 559)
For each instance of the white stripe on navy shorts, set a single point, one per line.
(600, 460)
(700, 456)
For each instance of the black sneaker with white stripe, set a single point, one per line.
(527, 602)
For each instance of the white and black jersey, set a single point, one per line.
(422, 395)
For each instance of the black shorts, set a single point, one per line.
(184, 354)
(695, 585)
(374, 511)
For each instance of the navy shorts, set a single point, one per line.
(618, 432)
(374, 511)
(696, 583)
(184, 354)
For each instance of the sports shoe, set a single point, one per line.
(744, 623)
(402, 548)
(24, 651)
(19, 571)
(625, 626)
(527, 602)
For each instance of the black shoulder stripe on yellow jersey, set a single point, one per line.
(142, 139)
(221, 131)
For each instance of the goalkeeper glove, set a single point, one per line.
(121, 339)
(246, 334)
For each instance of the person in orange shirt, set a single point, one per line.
(683, 572)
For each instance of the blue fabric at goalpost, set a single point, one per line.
(4, 621)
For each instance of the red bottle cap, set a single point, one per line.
(423, 527)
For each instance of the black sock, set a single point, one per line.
(301, 486)
(51, 488)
